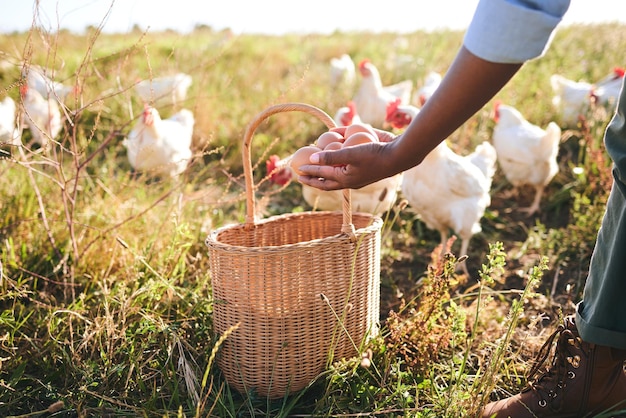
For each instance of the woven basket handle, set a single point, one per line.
(347, 226)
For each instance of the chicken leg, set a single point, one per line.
(534, 207)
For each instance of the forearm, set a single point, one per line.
(467, 86)
(502, 35)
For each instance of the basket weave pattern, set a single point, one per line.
(304, 288)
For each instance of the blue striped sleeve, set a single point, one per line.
(513, 31)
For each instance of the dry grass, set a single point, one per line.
(105, 299)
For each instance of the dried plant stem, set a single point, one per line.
(205, 377)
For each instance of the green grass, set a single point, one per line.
(106, 300)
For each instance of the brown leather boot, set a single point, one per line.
(583, 380)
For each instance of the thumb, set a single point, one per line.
(330, 157)
(352, 155)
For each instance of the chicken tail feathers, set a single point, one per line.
(552, 138)
(484, 157)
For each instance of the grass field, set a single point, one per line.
(105, 287)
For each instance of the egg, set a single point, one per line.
(301, 157)
(333, 146)
(328, 137)
(360, 127)
(359, 138)
(366, 363)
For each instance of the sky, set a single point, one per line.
(274, 17)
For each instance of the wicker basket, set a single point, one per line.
(304, 287)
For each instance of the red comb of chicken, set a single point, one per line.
(619, 72)
(363, 62)
(278, 175)
(496, 109)
(348, 117)
(422, 99)
(352, 107)
(396, 117)
(23, 89)
(270, 164)
(392, 107)
(148, 119)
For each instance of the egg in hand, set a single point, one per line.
(301, 157)
(359, 133)
(355, 134)
(327, 138)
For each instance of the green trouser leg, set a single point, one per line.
(601, 315)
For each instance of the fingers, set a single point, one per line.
(350, 167)
(329, 158)
(321, 176)
(324, 172)
(320, 183)
(384, 136)
(320, 171)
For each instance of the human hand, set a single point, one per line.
(383, 136)
(350, 167)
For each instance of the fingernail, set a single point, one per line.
(315, 158)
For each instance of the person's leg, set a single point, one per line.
(601, 315)
(586, 375)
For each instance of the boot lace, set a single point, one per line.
(549, 382)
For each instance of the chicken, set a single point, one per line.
(164, 91)
(10, 132)
(342, 71)
(573, 99)
(161, 146)
(431, 82)
(41, 115)
(376, 198)
(37, 78)
(607, 90)
(401, 90)
(372, 98)
(347, 115)
(527, 153)
(447, 190)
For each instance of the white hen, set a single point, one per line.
(372, 98)
(342, 71)
(10, 132)
(573, 99)
(164, 91)
(376, 198)
(161, 146)
(347, 115)
(37, 78)
(431, 82)
(527, 153)
(607, 90)
(447, 190)
(42, 116)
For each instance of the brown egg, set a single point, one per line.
(333, 146)
(366, 363)
(360, 127)
(328, 137)
(301, 157)
(359, 138)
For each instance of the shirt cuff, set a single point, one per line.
(512, 32)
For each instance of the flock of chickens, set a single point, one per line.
(451, 192)
(154, 145)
